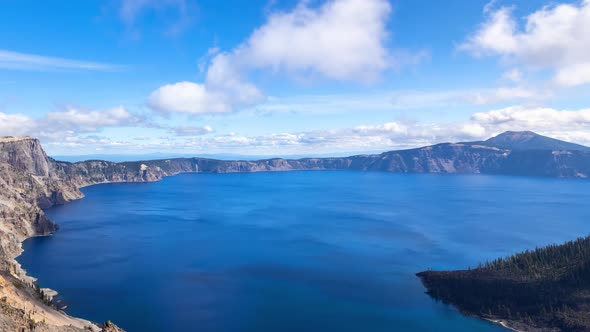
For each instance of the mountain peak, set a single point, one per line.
(528, 140)
(517, 135)
(514, 137)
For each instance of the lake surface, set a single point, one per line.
(297, 251)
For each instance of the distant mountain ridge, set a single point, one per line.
(528, 140)
(510, 153)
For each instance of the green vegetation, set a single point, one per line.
(547, 288)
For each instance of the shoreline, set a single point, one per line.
(23, 276)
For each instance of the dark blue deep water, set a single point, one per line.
(300, 251)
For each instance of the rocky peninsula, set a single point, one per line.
(30, 181)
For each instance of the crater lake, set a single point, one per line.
(292, 251)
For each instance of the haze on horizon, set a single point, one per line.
(288, 77)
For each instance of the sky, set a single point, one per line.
(290, 77)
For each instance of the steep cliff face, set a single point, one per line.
(29, 181)
(25, 154)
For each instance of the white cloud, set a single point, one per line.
(342, 40)
(23, 61)
(15, 124)
(537, 118)
(495, 36)
(188, 97)
(573, 75)
(87, 120)
(194, 98)
(473, 130)
(71, 125)
(224, 90)
(225, 75)
(554, 37)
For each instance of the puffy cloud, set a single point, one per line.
(70, 125)
(222, 92)
(82, 120)
(194, 98)
(495, 36)
(225, 75)
(342, 40)
(188, 97)
(554, 37)
(23, 61)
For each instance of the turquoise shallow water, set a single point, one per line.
(298, 251)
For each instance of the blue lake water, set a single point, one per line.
(297, 251)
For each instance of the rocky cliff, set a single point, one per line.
(31, 181)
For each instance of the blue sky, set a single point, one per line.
(283, 77)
